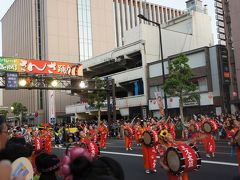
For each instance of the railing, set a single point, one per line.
(120, 103)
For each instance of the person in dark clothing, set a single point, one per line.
(104, 168)
(15, 148)
(47, 165)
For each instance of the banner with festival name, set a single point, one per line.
(40, 67)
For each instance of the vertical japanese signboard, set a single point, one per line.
(11, 80)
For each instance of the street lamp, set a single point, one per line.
(82, 85)
(54, 83)
(160, 57)
(22, 82)
(12, 108)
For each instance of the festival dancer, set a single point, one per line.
(103, 130)
(171, 128)
(128, 133)
(48, 141)
(149, 152)
(91, 146)
(208, 141)
(92, 134)
(209, 145)
(167, 141)
(137, 133)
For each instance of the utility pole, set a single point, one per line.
(114, 101)
(108, 101)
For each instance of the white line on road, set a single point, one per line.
(223, 153)
(140, 155)
(123, 154)
(220, 163)
(122, 147)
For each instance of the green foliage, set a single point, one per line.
(4, 113)
(18, 108)
(97, 98)
(179, 81)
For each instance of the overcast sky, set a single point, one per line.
(179, 4)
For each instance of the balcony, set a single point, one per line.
(128, 75)
(120, 103)
(131, 101)
(112, 55)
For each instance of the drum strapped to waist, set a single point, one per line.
(128, 132)
(194, 127)
(236, 138)
(209, 126)
(150, 138)
(182, 158)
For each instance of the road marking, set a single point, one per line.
(220, 163)
(138, 148)
(123, 154)
(140, 155)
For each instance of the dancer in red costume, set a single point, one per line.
(128, 133)
(103, 130)
(168, 141)
(209, 145)
(149, 153)
(137, 133)
(91, 146)
(48, 144)
(92, 134)
(171, 128)
(208, 140)
(194, 128)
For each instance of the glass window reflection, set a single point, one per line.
(85, 29)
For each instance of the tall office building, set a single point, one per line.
(227, 13)
(103, 24)
(72, 31)
(126, 11)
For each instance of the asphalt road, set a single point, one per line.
(222, 167)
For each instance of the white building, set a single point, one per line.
(71, 31)
(128, 64)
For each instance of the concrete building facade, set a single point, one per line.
(71, 31)
(208, 69)
(129, 65)
(231, 14)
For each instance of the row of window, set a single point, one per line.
(85, 29)
(200, 82)
(125, 15)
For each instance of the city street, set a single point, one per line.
(222, 167)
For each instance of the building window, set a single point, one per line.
(153, 90)
(131, 15)
(41, 99)
(85, 29)
(202, 83)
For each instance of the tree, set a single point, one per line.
(179, 82)
(19, 110)
(97, 98)
(4, 113)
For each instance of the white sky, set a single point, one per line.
(178, 4)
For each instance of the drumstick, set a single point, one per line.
(131, 124)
